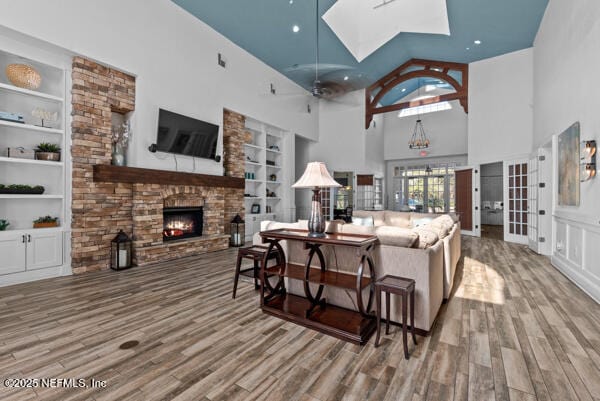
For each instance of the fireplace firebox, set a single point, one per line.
(182, 222)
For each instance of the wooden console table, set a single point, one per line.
(312, 311)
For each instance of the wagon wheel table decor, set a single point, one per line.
(312, 310)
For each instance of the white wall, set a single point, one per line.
(567, 56)
(344, 144)
(566, 59)
(447, 131)
(501, 107)
(174, 56)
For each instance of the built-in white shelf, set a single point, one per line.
(28, 230)
(258, 149)
(251, 197)
(30, 161)
(19, 196)
(254, 163)
(28, 92)
(31, 127)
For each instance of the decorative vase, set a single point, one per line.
(23, 76)
(118, 155)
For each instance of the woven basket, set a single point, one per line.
(23, 76)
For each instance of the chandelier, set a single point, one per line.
(419, 139)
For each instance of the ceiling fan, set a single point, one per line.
(326, 81)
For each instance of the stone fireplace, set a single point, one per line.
(109, 198)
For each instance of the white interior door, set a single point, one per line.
(516, 201)
(12, 249)
(44, 249)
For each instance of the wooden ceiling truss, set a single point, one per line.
(416, 68)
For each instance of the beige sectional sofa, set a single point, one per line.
(417, 246)
(445, 227)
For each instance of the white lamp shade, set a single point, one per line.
(316, 175)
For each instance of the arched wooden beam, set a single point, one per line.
(430, 69)
(416, 74)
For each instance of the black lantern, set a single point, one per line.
(238, 231)
(120, 252)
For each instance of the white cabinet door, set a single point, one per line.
(12, 249)
(44, 249)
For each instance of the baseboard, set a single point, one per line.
(572, 273)
(32, 275)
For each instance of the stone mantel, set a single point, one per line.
(135, 175)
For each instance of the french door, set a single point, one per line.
(516, 201)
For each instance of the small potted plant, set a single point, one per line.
(4, 224)
(45, 222)
(47, 151)
(20, 189)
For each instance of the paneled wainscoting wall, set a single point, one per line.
(577, 250)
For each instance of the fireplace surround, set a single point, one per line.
(108, 198)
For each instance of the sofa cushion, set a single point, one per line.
(426, 238)
(274, 225)
(378, 216)
(396, 236)
(444, 222)
(363, 221)
(437, 229)
(397, 219)
(356, 229)
(418, 222)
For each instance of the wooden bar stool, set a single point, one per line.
(399, 286)
(256, 253)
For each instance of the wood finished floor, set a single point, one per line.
(515, 329)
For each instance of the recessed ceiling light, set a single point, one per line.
(295, 29)
(468, 48)
(291, 1)
(346, 78)
(403, 89)
(477, 42)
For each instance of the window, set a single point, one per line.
(427, 108)
(326, 202)
(425, 189)
(370, 197)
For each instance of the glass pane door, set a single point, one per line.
(516, 217)
(436, 189)
(416, 193)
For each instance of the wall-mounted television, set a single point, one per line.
(186, 136)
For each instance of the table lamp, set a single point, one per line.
(316, 177)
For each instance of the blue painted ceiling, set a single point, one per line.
(264, 29)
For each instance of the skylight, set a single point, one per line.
(425, 109)
(364, 26)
